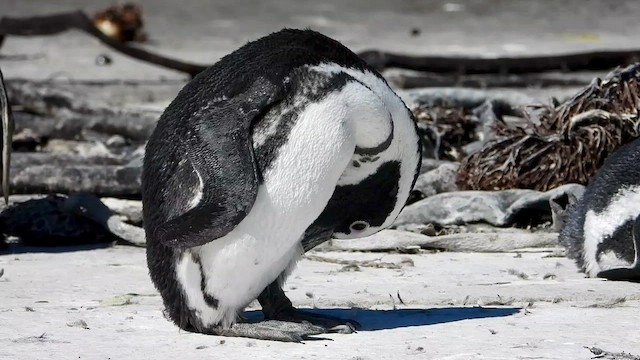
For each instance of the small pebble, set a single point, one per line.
(549, 277)
(103, 60)
(349, 268)
(411, 249)
(78, 323)
(405, 261)
(116, 141)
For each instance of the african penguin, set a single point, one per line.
(288, 141)
(602, 229)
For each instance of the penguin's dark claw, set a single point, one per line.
(621, 274)
(274, 330)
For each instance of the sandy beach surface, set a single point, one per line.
(101, 304)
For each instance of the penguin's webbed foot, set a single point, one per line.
(330, 323)
(273, 330)
(621, 274)
(277, 306)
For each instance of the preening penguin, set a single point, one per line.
(288, 141)
(602, 231)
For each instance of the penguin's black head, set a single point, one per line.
(357, 215)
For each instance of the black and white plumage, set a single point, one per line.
(602, 229)
(284, 143)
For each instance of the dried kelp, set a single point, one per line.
(560, 143)
(447, 128)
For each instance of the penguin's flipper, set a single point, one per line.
(221, 153)
(632, 273)
(5, 138)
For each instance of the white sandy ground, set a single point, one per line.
(451, 309)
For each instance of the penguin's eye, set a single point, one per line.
(358, 226)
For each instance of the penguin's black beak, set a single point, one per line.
(6, 138)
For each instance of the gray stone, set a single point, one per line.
(396, 240)
(130, 210)
(432, 164)
(439, 180)
(498, 208)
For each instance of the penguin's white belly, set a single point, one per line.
(296, 189)
(240, 265)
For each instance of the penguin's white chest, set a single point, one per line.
(624, 206)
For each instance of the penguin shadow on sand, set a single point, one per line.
(601, 230)
(373, 320)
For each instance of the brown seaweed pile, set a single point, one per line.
(560, 143)
(447, 128)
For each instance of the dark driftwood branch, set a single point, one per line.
(587, 61)
(594, 61)
(53, 24)
(75, 118)
(133, 126)
(481, 81)
(102, 180)
(23, 160)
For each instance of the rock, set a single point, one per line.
(136, 157)
(21, 161)
(107, 180)
(439, 180)
(492, 242)
(467, 98)
(432, 164)
(81, 148)
(385, 240)
(498, 208)
(390, 240)
(131, 210)
(116, 141)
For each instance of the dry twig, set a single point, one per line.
(57, 23)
